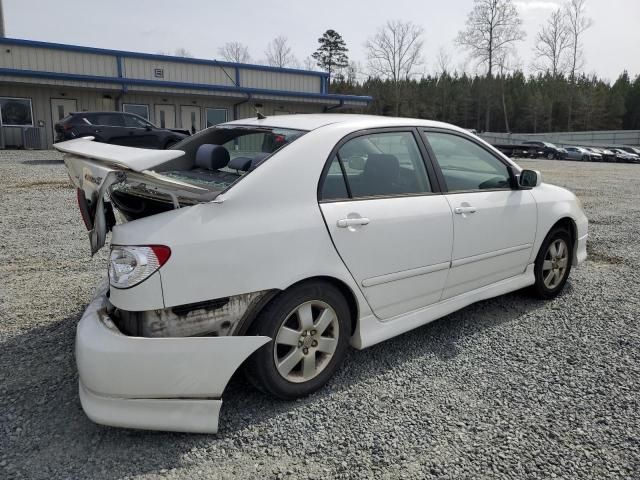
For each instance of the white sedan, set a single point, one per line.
(275, 243)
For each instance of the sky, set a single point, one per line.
(611, 45)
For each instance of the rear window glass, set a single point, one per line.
(247, 148)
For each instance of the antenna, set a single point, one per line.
(259, 114)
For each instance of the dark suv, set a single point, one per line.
(548, 150)
(116, 127)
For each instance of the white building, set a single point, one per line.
(40, 83)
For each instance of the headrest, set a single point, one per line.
(258, 159)
(212, 157)
(381, 165)
(240, 163)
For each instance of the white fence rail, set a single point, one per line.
(589, 139)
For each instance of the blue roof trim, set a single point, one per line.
(196, 86)
(151, 56)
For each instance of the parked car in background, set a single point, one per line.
(547, 150)
(624, 156)
(119, 128)
(583, 154)
(387, 225)
(633, 150)
(605, 154)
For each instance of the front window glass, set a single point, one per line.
(134, 122)
(465, 165)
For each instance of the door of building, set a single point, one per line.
(190, 118)
(165, 116)
(60, 108)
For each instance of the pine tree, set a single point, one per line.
(332, 52)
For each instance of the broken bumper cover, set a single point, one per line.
(171, 384)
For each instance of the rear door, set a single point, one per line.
(389, 222)
(494, 226)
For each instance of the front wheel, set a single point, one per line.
(553, 264)
(309, 326)
(550, 156)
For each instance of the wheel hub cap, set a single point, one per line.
(306, 341)
(555, 264)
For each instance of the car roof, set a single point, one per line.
(313, 121)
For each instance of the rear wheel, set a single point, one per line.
(309, 326)
(553, 264)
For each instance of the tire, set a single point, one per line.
(547, 287)
(550, 156)
(280, 320)
(585, 158)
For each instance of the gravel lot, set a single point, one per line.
(507, 388)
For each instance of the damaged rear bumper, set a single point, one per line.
(154, 383)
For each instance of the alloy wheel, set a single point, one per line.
(306, 341)
(555, 264)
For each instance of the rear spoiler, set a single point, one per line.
(135, 159)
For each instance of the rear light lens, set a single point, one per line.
(129, 266)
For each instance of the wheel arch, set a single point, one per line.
(344, 289)
(569, 224)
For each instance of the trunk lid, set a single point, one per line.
(95, 169)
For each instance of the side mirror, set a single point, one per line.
(148, 128)
(530, 178)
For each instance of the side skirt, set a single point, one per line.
(370, 330)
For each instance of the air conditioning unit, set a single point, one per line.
(33, 138)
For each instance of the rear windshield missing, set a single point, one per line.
(217, 157)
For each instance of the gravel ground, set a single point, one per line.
(507, 388)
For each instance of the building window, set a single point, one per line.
(16, 112)
(216, 116)
(140, 110)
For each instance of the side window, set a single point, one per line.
(465, 165)
(379, 164)
(333, 187)
(131, 121)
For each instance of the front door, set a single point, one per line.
(165, 116)
(190, 118)
(60, 108)
(494, 226)
(389, 224)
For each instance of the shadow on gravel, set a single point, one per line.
(42, 162)
(45, 434)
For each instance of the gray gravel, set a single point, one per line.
(507, 388)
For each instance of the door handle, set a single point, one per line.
(351, 222)
(461, 210)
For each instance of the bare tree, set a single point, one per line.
(310, 64)
(394, 52)
(492, 27)
(279, 54)
(183, 52)
(552, 44)
(443, 61)
(578, 23)
(235, 52)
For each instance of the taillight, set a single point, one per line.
(67, 126)
(131, 265)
